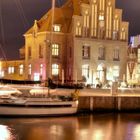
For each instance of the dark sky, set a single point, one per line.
(17, 16)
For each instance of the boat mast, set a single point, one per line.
(50, 46)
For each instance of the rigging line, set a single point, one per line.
(60, 5)
(2, 32)
(25, 18)
(19, 11)
(22, 14)
(52, 20)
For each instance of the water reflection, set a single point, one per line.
(83, 127)
(5, 133)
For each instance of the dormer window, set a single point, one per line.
(101, 17)
(57, 28)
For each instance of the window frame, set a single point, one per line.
(86, 52)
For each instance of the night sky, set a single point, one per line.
(17, 16)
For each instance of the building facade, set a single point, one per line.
(133, 61)
(84, 40)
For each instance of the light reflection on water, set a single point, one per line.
(81, 127)
(5, 133)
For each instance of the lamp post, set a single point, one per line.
(49, 64)
(49, 57)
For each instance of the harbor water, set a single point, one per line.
(102, 126)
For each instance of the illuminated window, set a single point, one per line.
(109, 75)
(86, 24)
(86, 52)
(116, 27)
(1, 73)
(21, 67)
(57, 28)
(101, 17)
(116, 71)
(85, 70)
(30, 69)
(55, 69)
(41, 69)
(40, 51)
(109, 25)
(123, 34)
(55, 50)
(11, 70)
(78, 31)
(116, 55)
(101, 72)
(115, 35)
(36, 76)
(29, 52)
(101, 53)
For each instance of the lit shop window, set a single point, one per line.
(55, 69)
(55, 50)
(11, 70)
(36, 76)
(21, 67)
(85, 70)
(116, 71)
(57, 28)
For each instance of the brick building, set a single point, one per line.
(83, 39)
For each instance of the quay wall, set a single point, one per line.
(106, 99)
(109, 103)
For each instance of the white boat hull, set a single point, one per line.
(37, 111)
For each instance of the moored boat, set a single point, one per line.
(37, 105)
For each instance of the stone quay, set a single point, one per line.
(96, 100)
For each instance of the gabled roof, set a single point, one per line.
(62, 15)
